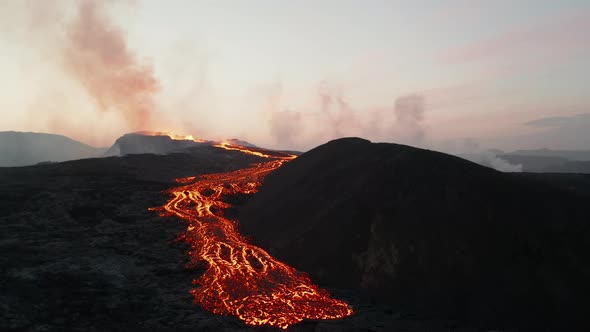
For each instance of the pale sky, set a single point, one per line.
(293, 74)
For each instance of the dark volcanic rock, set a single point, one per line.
(431, 233)
(137, 143)
(81, 252)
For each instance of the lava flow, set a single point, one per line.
(241, 279)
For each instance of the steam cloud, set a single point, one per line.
(97, 56)
(470, 149)
(285, 125)
(402, 122)
(340, 116)
(409, 113)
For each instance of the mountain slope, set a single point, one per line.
(81, 251)
(21, 149)
(430, 232)
(139, 143)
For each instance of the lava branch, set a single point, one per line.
(241, 279)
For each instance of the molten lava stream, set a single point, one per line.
(241, 279)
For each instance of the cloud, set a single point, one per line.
(558, 132)
(560, 121)
(560, 35)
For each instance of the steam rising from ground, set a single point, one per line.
(332, 116)
(471, 150)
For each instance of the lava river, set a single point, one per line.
(241, 279)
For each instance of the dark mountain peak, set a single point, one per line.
(347, 141)
(341, 145)
(355, 156)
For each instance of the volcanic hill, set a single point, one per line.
(432, 233)
(22, 149)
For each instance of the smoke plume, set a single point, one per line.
(336, 112)
(97, 56)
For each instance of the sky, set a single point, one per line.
(294, 74)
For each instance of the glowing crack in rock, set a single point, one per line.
(242, 279)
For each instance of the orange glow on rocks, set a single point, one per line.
(242, 279)
(252, 151)
(172, 136)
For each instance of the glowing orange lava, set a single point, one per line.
(241, 279)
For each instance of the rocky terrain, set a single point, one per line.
(432, 233)
(139, 143)
(81, 251)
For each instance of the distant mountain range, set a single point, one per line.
(25, 148)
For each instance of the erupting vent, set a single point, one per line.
(241, 279)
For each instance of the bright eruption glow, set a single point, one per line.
(241, 279)
(172, 136)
